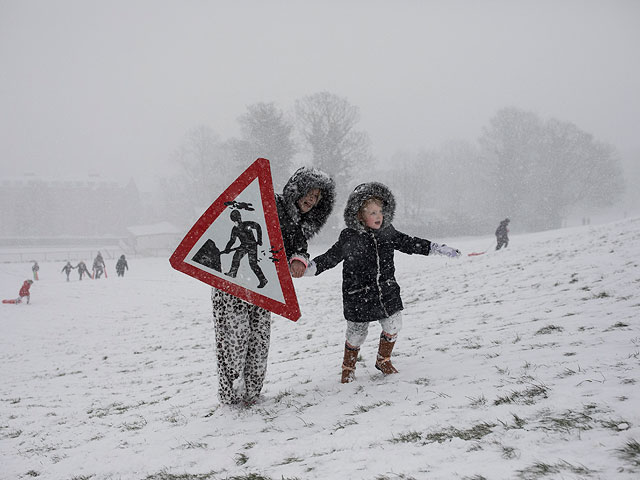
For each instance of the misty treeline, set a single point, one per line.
(529, 169)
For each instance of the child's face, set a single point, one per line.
(310, 200)
(372, 215)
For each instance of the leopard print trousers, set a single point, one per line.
(242, 333)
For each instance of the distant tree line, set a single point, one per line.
(522, 166)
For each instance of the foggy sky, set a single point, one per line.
(112, 87)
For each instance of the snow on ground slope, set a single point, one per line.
(521, 363)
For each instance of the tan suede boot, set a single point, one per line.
(383, 362)
(349, 363)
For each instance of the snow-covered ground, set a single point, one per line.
(522, 363)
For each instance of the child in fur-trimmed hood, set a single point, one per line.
(369, 288)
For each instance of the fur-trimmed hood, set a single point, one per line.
(363, 192)
(303, 180)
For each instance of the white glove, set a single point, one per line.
(311, 269)
(445, 250)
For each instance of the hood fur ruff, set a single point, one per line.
(303, 180)
(363, 192)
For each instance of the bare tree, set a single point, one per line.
(266, 133)
(328, 125)
(201, 178)
(541, 168)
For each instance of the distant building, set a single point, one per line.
(34, 206)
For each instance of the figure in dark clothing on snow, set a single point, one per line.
(243, 330)
(98, 266)
(67, 269)
(35, 269)
(82, 269)
(502, 234)
(121, 264)
(249, 243)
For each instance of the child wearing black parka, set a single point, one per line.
(369, 288)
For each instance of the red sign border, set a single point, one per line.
(261, 170)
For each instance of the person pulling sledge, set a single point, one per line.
(98, 266)
(502, 234)
(82, 269)
(35, 269)
(24, 293)
(370, 291)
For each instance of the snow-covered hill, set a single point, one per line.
(522, 363)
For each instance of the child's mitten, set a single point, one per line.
(445, 250)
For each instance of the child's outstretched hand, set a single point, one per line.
(445, 250)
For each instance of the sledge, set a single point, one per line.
(473, 254)
(15, 300)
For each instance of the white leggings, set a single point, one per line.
(357, 331)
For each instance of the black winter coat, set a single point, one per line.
(298, 227)
(369, 288)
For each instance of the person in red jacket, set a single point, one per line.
(24, 292)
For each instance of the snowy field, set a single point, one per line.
(521, 363)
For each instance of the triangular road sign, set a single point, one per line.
(236, 245)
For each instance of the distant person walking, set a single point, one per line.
(82, 269)
(35, 269)
(98, 266)
(502, 234)
(121, 264)
(67, 269)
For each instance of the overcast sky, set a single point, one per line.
(113, 86)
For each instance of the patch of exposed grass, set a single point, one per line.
(630, 453)
(365, 408)
(240, 459)
(549, 329)
(617, 325)
(602, 294)
(396, 476)
(541, 469)
(518, 423)
(164, 475)
(509, 452)
(422, 381)
(474, 433)
(525, 397)
(566, 421)
(477, 401)
(345, 424)
(409, 437)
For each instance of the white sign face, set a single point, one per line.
(236, 247)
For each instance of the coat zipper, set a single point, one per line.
(375, 243)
